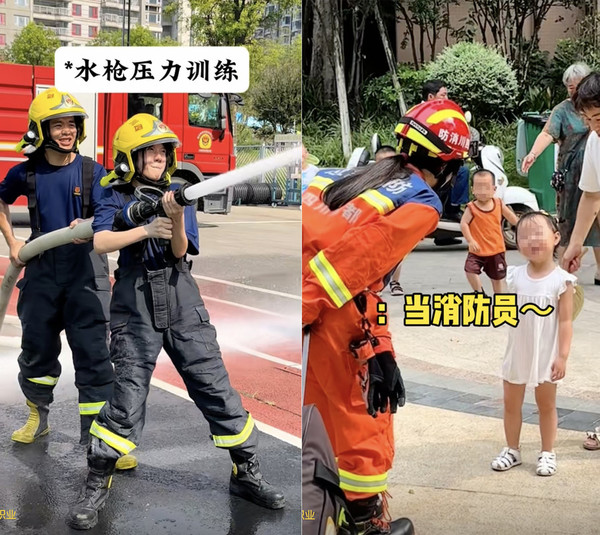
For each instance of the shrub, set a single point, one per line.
(380, 98)
(504, 136)
(323, 138)
(478, 78)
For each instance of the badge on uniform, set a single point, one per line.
(77, 191)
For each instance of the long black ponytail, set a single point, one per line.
(364, 178)
(393, 168)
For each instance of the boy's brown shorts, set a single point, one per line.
(493, 266)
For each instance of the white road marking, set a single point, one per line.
(265, 428)
(248, 287)
(261, 355)
(247, 222)
(239, 305)
(219, 281)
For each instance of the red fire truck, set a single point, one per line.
(202, 121)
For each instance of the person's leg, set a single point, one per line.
(495, 269)
(499, 286)
(134, 348)
(363, 445)
(191, 343)
(513, 418)
(510, 455)
(86, 315)
(39, 307)
(395, 286)
(473, 265)
(118, 427)
(597, 257)
(545, 397)
(474, 281)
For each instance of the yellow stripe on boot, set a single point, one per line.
(36, 425)
(126, 462)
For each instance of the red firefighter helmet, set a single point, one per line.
(436, 128)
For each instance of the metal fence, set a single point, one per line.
(278, 180)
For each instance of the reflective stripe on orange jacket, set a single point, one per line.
(345, 252)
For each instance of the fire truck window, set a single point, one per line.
(203, 111)
(144, 103)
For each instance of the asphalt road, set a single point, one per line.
(248, 273)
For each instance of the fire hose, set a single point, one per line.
(136, 212)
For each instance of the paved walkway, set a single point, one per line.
(451, 427)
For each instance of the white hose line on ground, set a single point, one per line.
(84, 230)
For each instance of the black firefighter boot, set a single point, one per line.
(247, 482)
(369, 516)
(84, 514)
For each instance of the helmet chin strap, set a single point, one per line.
(162, 183)
(447, 173)
(49, 143)
(55, 147)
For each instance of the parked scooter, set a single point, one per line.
(489, 157)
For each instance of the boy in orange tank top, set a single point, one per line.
(481, 225)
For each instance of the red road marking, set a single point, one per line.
(270, 391)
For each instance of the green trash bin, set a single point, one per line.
(540, 173)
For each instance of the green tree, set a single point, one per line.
(427, 22)
(138, 36)
(506, 21)
(275, 94)
(34, 45)
(230, 22)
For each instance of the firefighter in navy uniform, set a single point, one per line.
(156, 304)
(67, 287)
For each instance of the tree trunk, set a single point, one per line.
(411, 32)
(338, 58)
(321, 65)
(389, 55)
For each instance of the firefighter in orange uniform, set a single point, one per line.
(356, 226)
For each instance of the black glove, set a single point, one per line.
(385, 385)
(373, 386)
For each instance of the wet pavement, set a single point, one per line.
(248, 274)
(179, 487)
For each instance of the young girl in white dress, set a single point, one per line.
(538, 346)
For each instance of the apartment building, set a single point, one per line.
(284, 25)
(77, 22)
(14, 15)
(177, 26)
(116, 14)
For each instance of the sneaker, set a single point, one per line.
(506, 460)
(546, 464)
(395, 288)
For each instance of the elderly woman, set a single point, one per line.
(566, 127)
